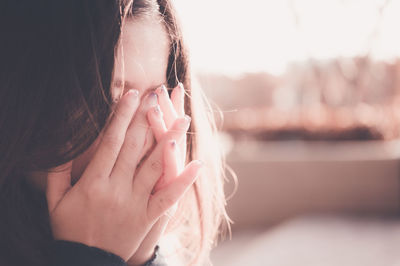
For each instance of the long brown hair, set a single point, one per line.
(57, 60)
(201, 216)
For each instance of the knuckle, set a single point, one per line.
(94, 190)
(101, 195)
(111, 140)
(156, 165)
(133, 144)
(165, 202)
(116, 199)
(124, 166)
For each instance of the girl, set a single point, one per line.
(95, 166)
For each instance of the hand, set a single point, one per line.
(111, 206)
(161, 121)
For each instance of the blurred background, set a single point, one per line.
(310, 96)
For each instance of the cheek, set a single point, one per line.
(79, 163)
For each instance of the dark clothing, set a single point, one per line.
(68, 253)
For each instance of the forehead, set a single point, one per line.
(142, 56)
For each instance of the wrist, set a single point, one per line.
(153, 256)
(145, 260)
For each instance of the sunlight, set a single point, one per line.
(229, 37)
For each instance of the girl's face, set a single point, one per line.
(141, 60)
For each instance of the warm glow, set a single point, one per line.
(231, 37)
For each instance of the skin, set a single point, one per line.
(141, 61)
(143, 145)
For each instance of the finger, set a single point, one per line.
(58, 183)
(182, 153)
(182, 157)
(167, 197)
(170, 165)
(152, 168)
(134, 143)
(166, 106)
(156, 121)
(107, 152)
(149, 144)
(178, 99)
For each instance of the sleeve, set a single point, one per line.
(157, 259)
(68, 253)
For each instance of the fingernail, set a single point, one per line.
(162, 89)
(173, 143)
(152, 98)
(135, 93)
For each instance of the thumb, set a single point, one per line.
(58, 183)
